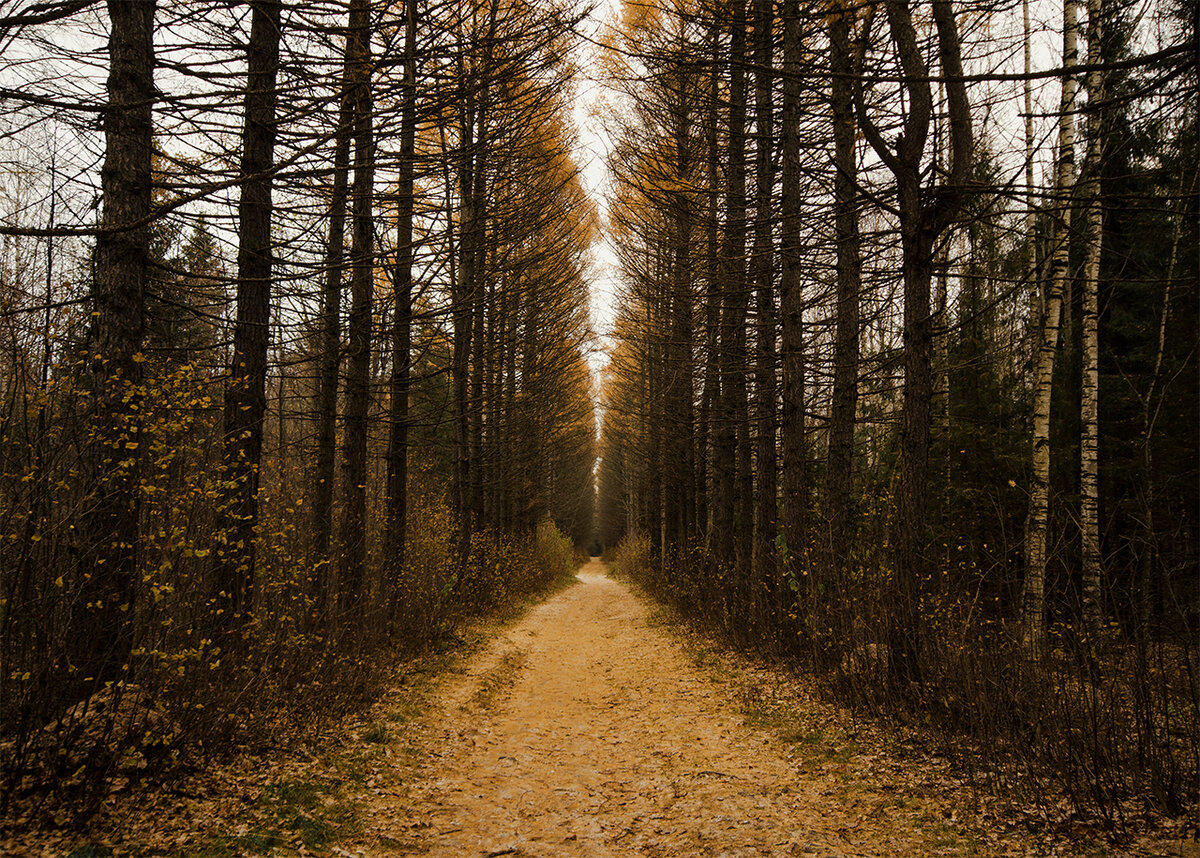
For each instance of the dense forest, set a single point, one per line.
(904, 376)
(310, 386)
(299, 365)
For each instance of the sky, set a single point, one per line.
(592, 147)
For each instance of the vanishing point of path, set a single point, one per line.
(584, 730)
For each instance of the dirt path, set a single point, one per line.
(584, 730)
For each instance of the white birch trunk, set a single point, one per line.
(1034, 595)
(1090, 406)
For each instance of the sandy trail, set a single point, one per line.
(583, 730)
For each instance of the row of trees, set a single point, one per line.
(314, 381)
(905, 381)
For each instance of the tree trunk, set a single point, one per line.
(480, 344)
(331, 346)
(791, 302)
(734, 519)
(509, 470)
(358, 353)
(467, 312)
(766, 489)
(710, 395)
(923, 213)
(245, 398)
(101, 634)
(1034, 591)
(397, 457)
(1089, 504)
(917, 245)
(653, 415)
(490, 406)
(840, 457)
(1031, 261)
(681, 506)
(462, 316)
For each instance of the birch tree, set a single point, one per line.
(1034, 589)
(1089, 507)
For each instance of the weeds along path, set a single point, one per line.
(584, 730)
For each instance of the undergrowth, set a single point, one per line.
(1106, 736)
(272, 698)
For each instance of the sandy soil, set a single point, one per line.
(585, 730)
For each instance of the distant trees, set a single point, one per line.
(951, 498)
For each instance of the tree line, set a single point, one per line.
(295, 329)
(904, 381)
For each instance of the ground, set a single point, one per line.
(590, 727)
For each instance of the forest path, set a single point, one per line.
(585, 730)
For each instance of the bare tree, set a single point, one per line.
(331, 346)
(924, 213)
(245, 397)
(362, 286)
(791, 300)
(102, 623)
(1093, 235)
(763, 267)
(840, 455)
(731, 499)
(397, 457)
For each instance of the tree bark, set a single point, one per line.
(358, 357)
(1034, 590)
(465, 313)
(681, 466)
(397, 457)
(733, 502)
(710, 395)
(924, 214)
(1093, 234)
(480, 344)
(101, 634)
(1031, 261)
(791, 303)
(245, 397)
(840, 456)
(766, 487)
(462, 293)
(331, 346)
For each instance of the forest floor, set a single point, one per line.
(591, 727)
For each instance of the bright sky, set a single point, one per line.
(591, 154)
